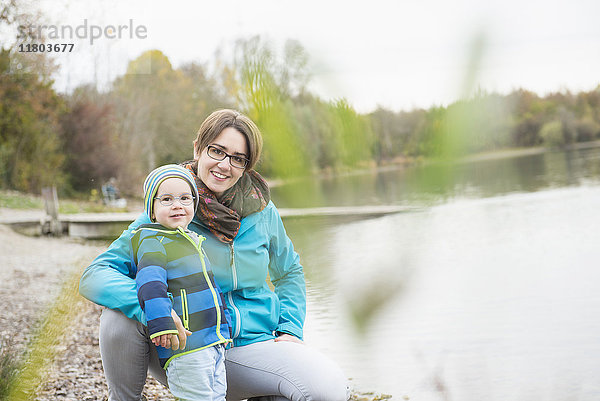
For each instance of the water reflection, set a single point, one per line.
(489, 294)
(434, 183)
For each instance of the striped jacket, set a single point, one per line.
(173, 273)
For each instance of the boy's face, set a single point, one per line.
(174, 191)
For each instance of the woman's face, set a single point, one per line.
(219, 176)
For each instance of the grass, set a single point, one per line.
(24, 379)
(10, 364)
(19, 200)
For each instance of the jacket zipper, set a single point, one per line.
(185, 315)
(212, 289)
(233, 272)
(238, 317)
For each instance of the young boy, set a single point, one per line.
(174, 276)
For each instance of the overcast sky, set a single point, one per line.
(397, 54)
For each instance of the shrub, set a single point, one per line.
(552, 134)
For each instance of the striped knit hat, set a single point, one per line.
(158, 175)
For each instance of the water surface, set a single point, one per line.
(490, 293)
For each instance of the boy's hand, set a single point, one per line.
(178, 341)
(171, 340)
(163, 340)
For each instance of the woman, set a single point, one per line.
(245, 243)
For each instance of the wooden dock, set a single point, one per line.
(110, 225)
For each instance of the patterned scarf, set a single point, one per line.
(222, 215)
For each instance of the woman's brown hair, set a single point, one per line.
(214, 124)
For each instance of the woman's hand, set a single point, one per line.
(288, 337)
(178, 341)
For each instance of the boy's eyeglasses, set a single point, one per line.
(219, 154)
(168, 199)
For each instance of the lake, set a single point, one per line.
(490, 292)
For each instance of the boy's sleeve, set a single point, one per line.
(110, 279)
(151, 282)
(226, 312)
(287, 277)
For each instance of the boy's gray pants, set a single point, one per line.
(267, 370)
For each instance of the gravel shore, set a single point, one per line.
(33, 271)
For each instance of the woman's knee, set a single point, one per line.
(294, 371)
(324, 379)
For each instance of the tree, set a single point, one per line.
(587, 130)
(527, 119)
(150, 100)
(92, 149)
(552, 134)
(294, 73)
(30, 145)
(396, 134)
(256, 72)
(354, 136)
(199, 94)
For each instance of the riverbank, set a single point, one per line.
(508, 153)
(33, 272)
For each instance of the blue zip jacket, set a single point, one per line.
(174, 274)
(260, 248)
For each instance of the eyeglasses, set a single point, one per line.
(219, 154)
(168, 199)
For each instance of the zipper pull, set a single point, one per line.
(200, 241)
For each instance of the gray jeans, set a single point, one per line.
(266, 370)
